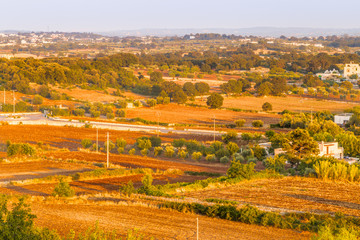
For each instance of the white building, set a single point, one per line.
(351, 69)
(331, 149)
(342, 119)
(329, 75)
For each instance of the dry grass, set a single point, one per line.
(281, 103)
(293, 193)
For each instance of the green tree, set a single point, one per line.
(179, 97)
(38, 100)
(265, 89)
(215, 100)
(348, 85)
(156, 77)
(232, 148)
(267, 107)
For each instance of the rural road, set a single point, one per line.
(40, 119)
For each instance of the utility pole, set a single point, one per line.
(4, 96)
(97, 140)
(214, 128)
(158, 114)
(107, 155)
(14, 102)
(197, 228)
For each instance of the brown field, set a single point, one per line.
(281, 103)
(158, 223)
(70, 137)
(128, 160)
(173, 113)
(291, 193)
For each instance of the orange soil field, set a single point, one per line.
(88, 95)
(35, 166)
(173, 113)
(281, 103)
(158, 223)
(294, 193)
(95, 186)
(70, 137)
(128, 160)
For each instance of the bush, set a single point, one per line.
(237, 169)
(37, 100)
(179, 143)
(230, 136)
(120, 113)
(155, 141)
(215, 100)
(267, 107)
(63, 189)
(210, 158)
(276, 163)
(240, 122)
(158, 151)
(132, 151)
(79, 112)
(182, 154)
(196, 156)
(95, 114)
(257, 123)
(120, 150)
(121, 143)
(246, 137)
(110, 116)
(232, 148)
(144, 152)
(127, 189)
(224, 160)
(111, 146)
(169, 151)
(143, 143)
(20, 149)
(86, 143)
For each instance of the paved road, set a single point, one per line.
(40, 119)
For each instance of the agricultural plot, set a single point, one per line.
(290, 194)
(159, 223)
(173, 113)
(279, 104)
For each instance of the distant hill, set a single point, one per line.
(255, 31)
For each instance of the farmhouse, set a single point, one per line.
(331, 149)
(329, 75)
(351, 69)
(342, 119)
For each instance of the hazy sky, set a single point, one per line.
(108, 15)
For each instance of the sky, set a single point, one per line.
(112, 15)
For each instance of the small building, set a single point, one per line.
(329, 75)
(351, 69)
(331, 149)
(342, 119)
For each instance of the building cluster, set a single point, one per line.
(351, 73)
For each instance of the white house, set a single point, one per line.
(342, 119)
(331, 149)
(329, 75)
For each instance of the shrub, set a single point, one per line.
(151, 102)
(79, 112)
(155, 141)
(144, 152)
(210, 158)
(63, 189)
(111, 146)
(132, 151)
(267, 107)
(127, 189)
(240, 122)
(37, 100)
(179, 143)
(248, 153)
(182, 154)
(158, 151)
(246, 137)
(120, 113)
(237, 169)
(276, 163)
(20, 149)
(224, 160)
(110, 116)
(230, 136)
(259, 152)
(86, 143)
(257, 123)
(95, 113)
(120, 150)
(196, 156)
(169, 151)
(232, 148)
(121, 143)
(143, 143)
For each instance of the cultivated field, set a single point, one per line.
(159, 223)
(173, 113)
(281, 103)
(291, 193)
